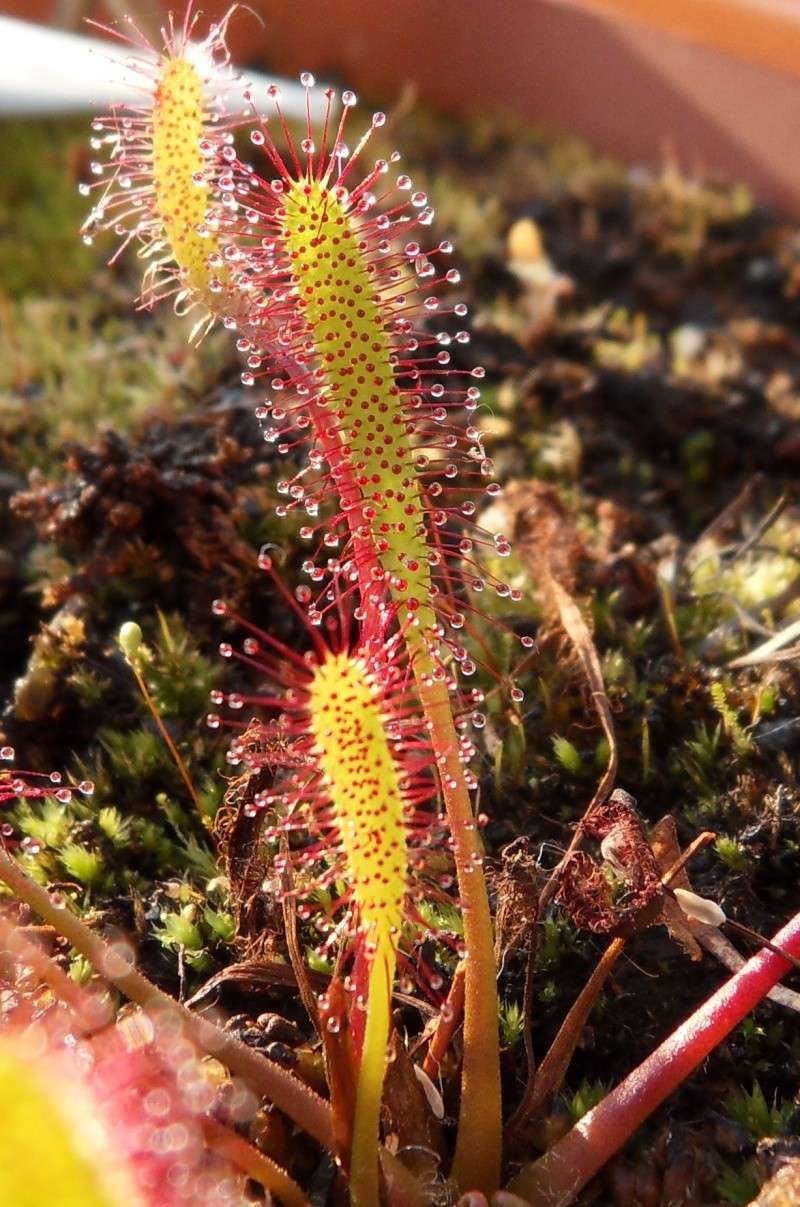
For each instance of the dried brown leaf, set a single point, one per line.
(543, 532)
(238, 832)
(415, 1132)
(516, 882)
(585, 892)
(667, 851)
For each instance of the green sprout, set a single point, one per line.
(567, 755)
(84, 865)
(753, 1112)
(512, 1023)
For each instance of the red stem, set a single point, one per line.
(446, 1027)
(557, 1177)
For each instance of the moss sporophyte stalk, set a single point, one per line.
(319, 265)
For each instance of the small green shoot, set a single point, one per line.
(114, 826)
(587, 1095)
(738, 1186)
(512, 1023)
(221, 925)
(730, 721)
(754, 1113)
(80, 970)
(180, 932)
(732, 853)
(567, 755)
(83, 865)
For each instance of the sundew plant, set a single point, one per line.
(316, 257)
(360, 794)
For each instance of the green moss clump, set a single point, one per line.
(70, 365)
(756, 1115)
(40, 209)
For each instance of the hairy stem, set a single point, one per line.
(90, 1012)
(302, 1105)
(476, 1165)
(448, 1024)
(557, 1177)
(255, 1164)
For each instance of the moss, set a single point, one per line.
(587, 1095)
(318, 963)
(114, 825)
(57, 647)
(630, 347)
(48, 823)
(84, 865)
(134, 755)
(81, 970)
(441, 917)
(221, 926)
(756, 1115)
(732, 853)
(567, 755)
(755, 579)
(40, 209)
(730, 720)
(178, 676)
(738, 1186)
(181, 930)
(512, 1023)
(68, 366)
(556, 938)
